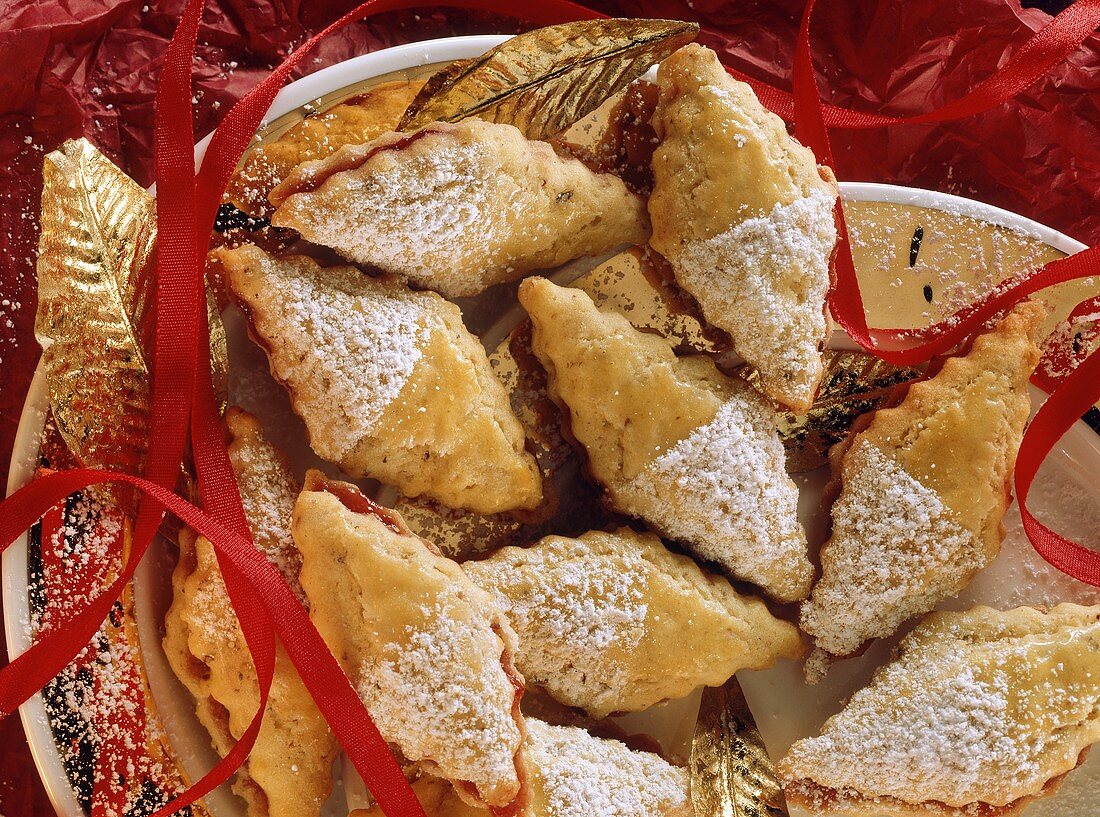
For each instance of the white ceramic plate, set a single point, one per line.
(785, 708)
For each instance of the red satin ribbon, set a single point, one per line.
(183, 396)
(1075, 393)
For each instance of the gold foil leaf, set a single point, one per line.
(731, 772)
(95, 277)
(854, 384)
(95, 290)
(545, 80)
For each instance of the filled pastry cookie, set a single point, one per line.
(574, 774)
(289, 772)
(615, 622)
(923, 489)
(744, 215)
(429, 652)
(672, 440)
(388, 381)
(352, 122)
(979, 713)
(459, 207)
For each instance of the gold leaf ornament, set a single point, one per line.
(731, 772)
(96, 264)
(854, 384)
(545, 80)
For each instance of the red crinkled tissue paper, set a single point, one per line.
(73, 67)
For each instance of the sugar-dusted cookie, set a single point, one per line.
(429, 652)
(388, 381)
(615, 622)
(673, 441)
(354, 121)
(980, 713)
(745, 217)
(459, 207)
(574, 774)
(923, 488)
(289, 773)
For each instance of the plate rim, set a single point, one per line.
(13, 564)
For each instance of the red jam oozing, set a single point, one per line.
(354, 500)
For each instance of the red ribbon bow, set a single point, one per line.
(183, 404)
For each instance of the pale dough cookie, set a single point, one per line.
(352, 122)
(429, 652)
(289, 773)
(388, 381)
(459, 207)
(745, 217)
(673, 441)
(575, 775)
(924, 486)
(615, 622)
(980, 713)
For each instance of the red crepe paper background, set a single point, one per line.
(89, 67)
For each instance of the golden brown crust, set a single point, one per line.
(615, 622)
(289, 772)
(352, 122)
(924, 486)
(459, 207)
(428, 651)
(979, 713)
(692, 452)
(744, 215)
(389, 382)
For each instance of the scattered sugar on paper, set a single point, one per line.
(1020, 576)
(96, 701)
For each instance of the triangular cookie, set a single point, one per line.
(980, 713)
(289, 773)
(923, 490)
(615, 622)
(429, 652)
(745, 217)
(574, 774)
(459, 207)
(388, 381)
(675, 442)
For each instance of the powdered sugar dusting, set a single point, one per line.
(268, 493)
(895, 551)
(725, 491)
(410, 215)
(944, 739)
(583, 776)
(574, 610)
(464, 725)
(96, 706)
(344, 344)
(965, 716)
(764, 281)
